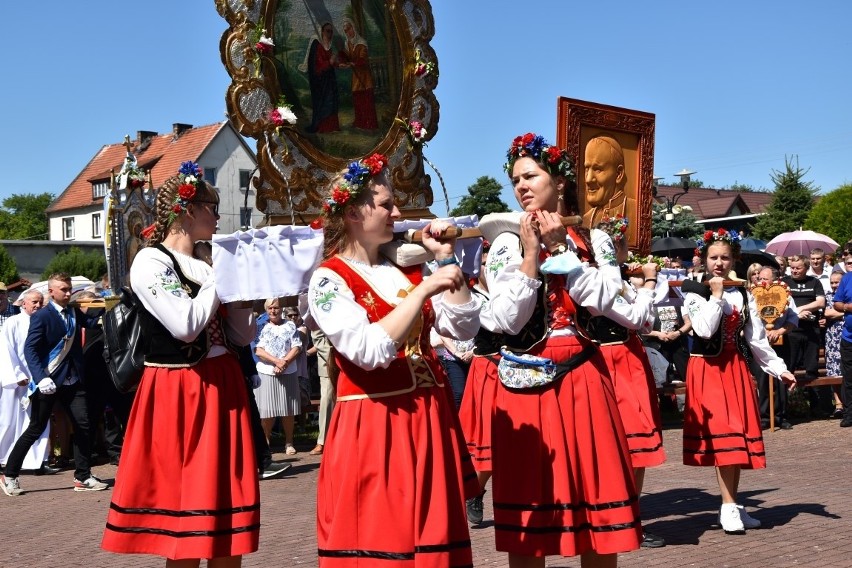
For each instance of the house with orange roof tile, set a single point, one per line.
(224, 156)
(714, 208)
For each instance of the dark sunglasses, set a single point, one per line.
(214, 209)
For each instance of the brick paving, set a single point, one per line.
(803, 499)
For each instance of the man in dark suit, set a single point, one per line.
(55, 358)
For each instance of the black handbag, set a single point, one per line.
(124, 345)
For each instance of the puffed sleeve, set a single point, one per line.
(705, 315)
(156, 284)
(459, 321)
(633, 310)
(755, 336)
(513, 294)
(333, 308)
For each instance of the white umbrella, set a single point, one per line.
(800, 243)
(77, 283)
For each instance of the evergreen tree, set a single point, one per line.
(483, 198)
(791, 202)
(831, 215)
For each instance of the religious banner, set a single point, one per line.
(319, 83)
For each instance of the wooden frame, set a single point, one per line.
(633, 131)
(296, 162)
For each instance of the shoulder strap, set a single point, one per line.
(191, 286)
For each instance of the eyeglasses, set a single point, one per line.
(214, 209)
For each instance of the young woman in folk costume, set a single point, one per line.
(721, 421)
(187, 485)
(615, 330)
(563, 481)
(395, 473)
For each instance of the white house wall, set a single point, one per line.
(82, 224)
(228, 154)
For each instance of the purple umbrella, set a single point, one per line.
(800, 243)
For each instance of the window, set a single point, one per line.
(99, 189)
(68, 229)
(210, 175)
(96, 226)
(245, 216)
(245, 180)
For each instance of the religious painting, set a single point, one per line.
(320, 83)
(613, 149)
(337, 63)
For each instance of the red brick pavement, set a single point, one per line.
(803, 499)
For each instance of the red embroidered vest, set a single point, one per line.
(416, 364)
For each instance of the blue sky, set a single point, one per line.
(735, 86)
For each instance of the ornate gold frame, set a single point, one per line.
(292, 172)
(576, 118)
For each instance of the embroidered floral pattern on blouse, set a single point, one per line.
(324, 294)
(169, 282)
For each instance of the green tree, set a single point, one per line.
(684, 223)
(830, 215)
(23, 217)
(791, 202)
(77, 263)
(8, 268)
(483, 198)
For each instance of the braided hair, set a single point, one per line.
(164, 204)
(333, 225)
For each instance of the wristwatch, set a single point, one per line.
(560, 248)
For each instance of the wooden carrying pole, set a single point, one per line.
(474, 232)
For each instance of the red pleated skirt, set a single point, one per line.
(477, 408)
(187, 486)
(721, 419)
(636, 394)
(392, 484)
(563, 480)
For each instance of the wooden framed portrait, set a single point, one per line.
(353, 73)
(613, 149)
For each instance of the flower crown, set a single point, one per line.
(719, 235)
(615, 227)
(190, 176)
(555, 160)
(356, 178)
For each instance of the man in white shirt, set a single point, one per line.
(818, 268)
(14, 378)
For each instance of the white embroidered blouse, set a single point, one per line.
(513, 294)
(706, 316)
(333, 309)
(156, 284)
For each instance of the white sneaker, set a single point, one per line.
(10, 486)
(91, 484)
(749, 522)
(290, 450)
(729, 518)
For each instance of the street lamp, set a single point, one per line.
(671, 203)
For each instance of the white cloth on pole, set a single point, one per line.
(265, 263)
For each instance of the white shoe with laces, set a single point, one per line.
(10, 486)
(729, 518)
(749, 522)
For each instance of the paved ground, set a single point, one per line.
(804, 500)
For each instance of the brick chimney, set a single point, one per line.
(179, 128)
(144, 136)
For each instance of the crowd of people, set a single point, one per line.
(530, 371)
